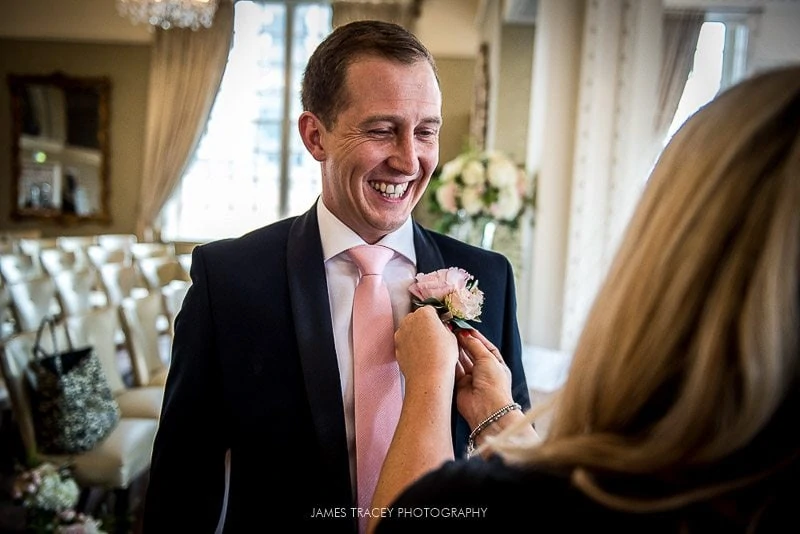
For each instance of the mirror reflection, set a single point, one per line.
(60, 147)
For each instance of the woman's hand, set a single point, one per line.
(483, 381)
(427, 353)
(424, 346)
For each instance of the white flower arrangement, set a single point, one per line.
(480, 186)
(50, 494)
(48, 488)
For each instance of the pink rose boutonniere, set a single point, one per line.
(453, 292)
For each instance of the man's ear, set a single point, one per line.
(311, 132)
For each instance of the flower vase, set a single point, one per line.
(479, 232)
(462, 228)
(487, 234)
(482, 233)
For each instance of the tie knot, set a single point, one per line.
(370, 259)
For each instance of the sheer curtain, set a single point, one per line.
(250, 167)
(185, 74)
(680, 34)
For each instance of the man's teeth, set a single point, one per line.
(390, 190)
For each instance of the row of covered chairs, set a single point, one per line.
(73, 292)
(57, 282)
(137, 384)
(32, 257)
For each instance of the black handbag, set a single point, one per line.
(73, 406)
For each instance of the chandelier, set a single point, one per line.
(168, 14)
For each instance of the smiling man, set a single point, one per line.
(262, 359)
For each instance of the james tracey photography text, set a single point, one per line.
(446, 513)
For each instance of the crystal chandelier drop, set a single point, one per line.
(168, 14)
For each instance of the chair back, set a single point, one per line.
(116, 241)
(76, 291)
(9, 239)
(15, 363)
(186, 261)
(79, 245)
(100, 255)
(174, 293)
(120, 281)
(139, 317)
(152, 249)
(8, 323)
(76, 242)
(98, 328)
(158, 271)
(16, 267)
(33, 300)
(56, 260)
(32, 246)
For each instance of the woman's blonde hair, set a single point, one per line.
(691, 346)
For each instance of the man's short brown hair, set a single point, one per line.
(323, 89)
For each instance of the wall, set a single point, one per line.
(74, 20)
(776, 39)
(448, 27)
(514, 90)
(128, 67)
(88, 37)
(454, 75)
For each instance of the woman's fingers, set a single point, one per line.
(465, 360)
(489, 345)
(476, 344)
(460, 372)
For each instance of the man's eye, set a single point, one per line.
(381, 131)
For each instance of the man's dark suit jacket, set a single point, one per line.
(254, 370)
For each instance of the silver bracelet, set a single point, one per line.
(486, 422)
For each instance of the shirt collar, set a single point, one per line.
(337, 237)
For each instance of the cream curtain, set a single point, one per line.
(402, 12)
(185, 75)
(680, 34)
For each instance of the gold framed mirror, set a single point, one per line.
(60, 147)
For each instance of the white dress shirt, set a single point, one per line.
(342, 277)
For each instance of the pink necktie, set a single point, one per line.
(376, 376)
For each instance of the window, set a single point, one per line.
(719, 62)
(250, 167)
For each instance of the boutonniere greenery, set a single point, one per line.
(453, 292)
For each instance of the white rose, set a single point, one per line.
(502, 172)
(452, 168)
(473, 173)
(508, 204)
(472, 200)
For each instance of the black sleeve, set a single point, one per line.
(460, 496)
(187, 473)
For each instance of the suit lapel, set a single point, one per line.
(429, 258)
(308, 292)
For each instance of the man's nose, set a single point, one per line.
(404, 156)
